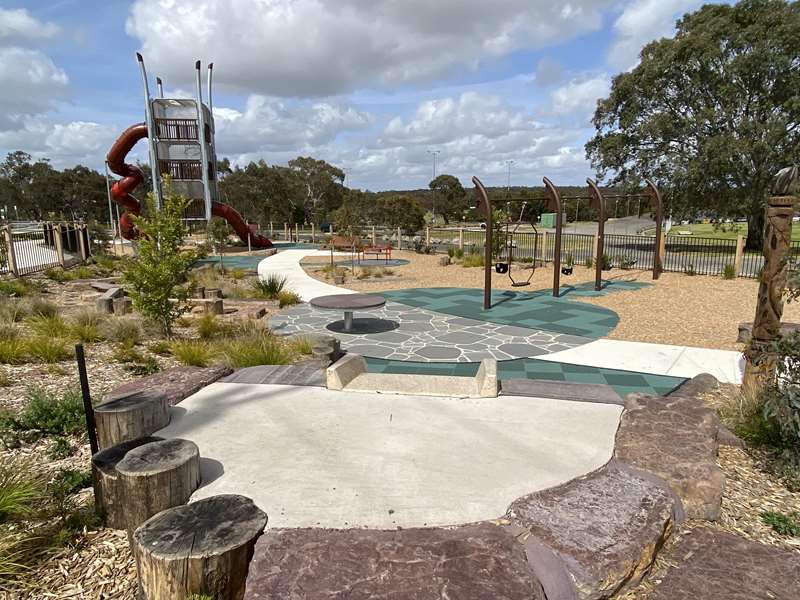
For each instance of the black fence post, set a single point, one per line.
(87, 398)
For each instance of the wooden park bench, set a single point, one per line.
(381, 251)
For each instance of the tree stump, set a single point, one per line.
(130, 416)
(156, 476)
(214, 307)
(109, 502)
(199, 548)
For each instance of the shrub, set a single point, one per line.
(21, 489)
(47, 414)
(451, 252)
(783, 524)
(124, 330)
(473, 260)
(8, 332)
(38, 307)
(51, 325)
(729, 272)
(60, 448)
(688, 269)
(192, 352)
(19, 287)
(270, 287)
(82, 272)
(161, 347)
(12, 352)
(459, 253)
(302, 345)
(589, 262)
(48, 349)
(148, 366)
(287, 298)
(255, 349)
(157, 275)
(85, 326)
(365, 273)
(12, 311)
(237, 274)
(56, 275)
(208, 326)
(89, 316)
(125, 353)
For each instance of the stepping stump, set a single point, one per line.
(154, 477)
(109, 500)
(199, 548)
(127, 417)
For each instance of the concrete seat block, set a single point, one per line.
(344, 370)
(486, 380)
(415, 385)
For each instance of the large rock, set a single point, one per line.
(676, 439)
(606, 527)
(696, 386)
(176, 383)
(714, 565)
(473, 562)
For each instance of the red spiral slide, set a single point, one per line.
(132, 176)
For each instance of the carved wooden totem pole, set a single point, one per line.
(761, 364)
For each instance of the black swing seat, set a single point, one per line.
(520, 283)
(501, 267)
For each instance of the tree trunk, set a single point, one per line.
(755, 225)
(199, 548)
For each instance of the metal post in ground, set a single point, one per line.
(88, 409)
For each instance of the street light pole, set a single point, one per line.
(508, 180)
(434, 153)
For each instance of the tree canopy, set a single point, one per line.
(711, 114)
(450, 199)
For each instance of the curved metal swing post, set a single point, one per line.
(554, 203)
(657, 203)
(484, 207)
(599, 203)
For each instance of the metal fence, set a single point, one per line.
(707, 256)
(35, 247)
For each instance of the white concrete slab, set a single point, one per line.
(315, 457)
(660, 359)
(286, 263)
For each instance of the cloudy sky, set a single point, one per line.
(369, 85)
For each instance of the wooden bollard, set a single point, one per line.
(213, 293)
(109, 501)
(200, 548)
(130, 416)
(157, 476)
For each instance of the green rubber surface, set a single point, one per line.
(623, 382)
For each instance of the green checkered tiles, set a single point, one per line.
(534, 310)
(624, 382)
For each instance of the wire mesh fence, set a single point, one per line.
(34, 247)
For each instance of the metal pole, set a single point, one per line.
(88, 410)
(434, 153)
(201, 123)
(508, 179)
(151, 133)
(160, 86)
(110, 209)
(484, 206)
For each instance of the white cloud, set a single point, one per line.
(64, 143)
(317, 48)
(18, 25)
(579, 97)
(270, 124)
(30, 81)
(641, 22)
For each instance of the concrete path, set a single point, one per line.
(661, 359)
(286, 263)
(313, 457)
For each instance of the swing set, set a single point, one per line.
(506, 266)
(553, 201)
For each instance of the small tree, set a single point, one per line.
(156, 277)
(218, 232)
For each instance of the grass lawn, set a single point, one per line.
(727, 231)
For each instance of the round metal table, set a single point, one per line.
(348, 303)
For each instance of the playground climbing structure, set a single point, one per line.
(180, 134)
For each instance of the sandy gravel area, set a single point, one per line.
(701, 311)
